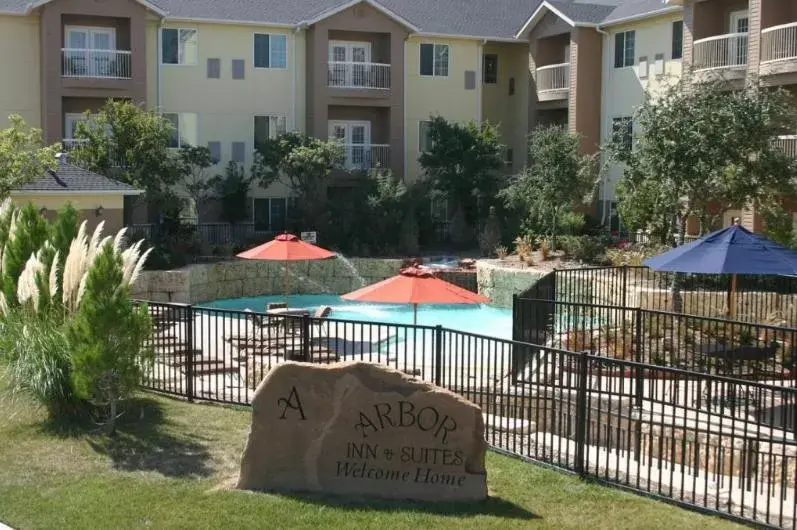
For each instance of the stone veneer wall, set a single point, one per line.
(499, 283)
(240, 278)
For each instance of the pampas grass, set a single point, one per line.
(27, 290)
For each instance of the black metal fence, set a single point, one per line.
(725, 445)
(760, 299)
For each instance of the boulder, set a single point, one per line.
(364, 430)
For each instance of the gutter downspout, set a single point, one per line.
(604, 177)
(158, 77)
(479, 80)
(293, 78)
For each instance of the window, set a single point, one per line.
(268, 127)
(490, 68)
(434, 60)
(178, 46)
(270, 214)
(184, 129)
(624, 49)
(425, 143)
(271, 51)
(677, 39)
(622, 132)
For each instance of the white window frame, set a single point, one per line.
(434, 59)
(89, 30)
(350, 45)
(270, 62)
(179, 114)
(618, 117)
(421, 149)
(272, 118)
(349, 124)
(270, 220)
(625, 48)
(178, 63)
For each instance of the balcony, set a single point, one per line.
(787, 144)
(348, 75)
(77, 63)
(779, 49)
(723, 54)
(70, 145)
(553, 82)
(364, 157)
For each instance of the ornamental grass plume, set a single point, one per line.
(74, 267)
(27, 289)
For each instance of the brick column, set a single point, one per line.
(754, 38)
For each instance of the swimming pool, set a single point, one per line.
(479, 319)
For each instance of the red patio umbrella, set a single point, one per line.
(415, 286)
(287, 247)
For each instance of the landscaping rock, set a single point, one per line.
(363, 429)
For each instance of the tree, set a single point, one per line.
(27, 234)
(130, 144)
(107, 335)
(557, 177)
(194, 161)
(703, 150)
(233, 190)
(304, 165)
(23, 156)
(463, 164)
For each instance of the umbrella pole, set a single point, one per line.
(414, 314)
(732, 298)
(287, 283)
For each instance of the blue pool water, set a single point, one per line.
(479, 319)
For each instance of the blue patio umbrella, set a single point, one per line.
(733, 250)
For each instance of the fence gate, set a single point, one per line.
(172, 344)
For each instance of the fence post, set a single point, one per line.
(581, 413)
(638, 358)
(305, 339)
(438, 355)
(189, 352)
(625, 286)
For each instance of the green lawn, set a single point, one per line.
(172, 462)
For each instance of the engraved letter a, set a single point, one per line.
(291, 402)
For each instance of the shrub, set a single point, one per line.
(37, 361)
(545, 249)
(524, 246)
(501, 251)
(583, 248)
(572, 223)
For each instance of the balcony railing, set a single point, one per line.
(71, 144)
(787, 144)
(101, 64)
(344, 74)
(553, 77)
(362, 157)
(720, 52)
(779, 43)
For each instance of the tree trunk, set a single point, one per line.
(677, 277)
(112, 421)
(553, 229)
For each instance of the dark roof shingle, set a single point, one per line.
(71, 178)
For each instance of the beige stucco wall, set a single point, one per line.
(623, 88)
(86, 205)
(510, 113)
(444, 96)
(20, 84)
(226, 107)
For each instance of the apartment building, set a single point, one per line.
(371, 73)
(230, 75)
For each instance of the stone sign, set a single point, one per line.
(363, 429)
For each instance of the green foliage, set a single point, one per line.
(556, 178)
(232, 189)
(584, 248)
(463, 165)
(699, 149)
(572, 223)
(130, 144)
(304, 165)
(23, 156)
(778, 223)
(106, 336)
(27, 234)
(37, 361)
(194, 161)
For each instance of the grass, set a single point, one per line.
(170, 462)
